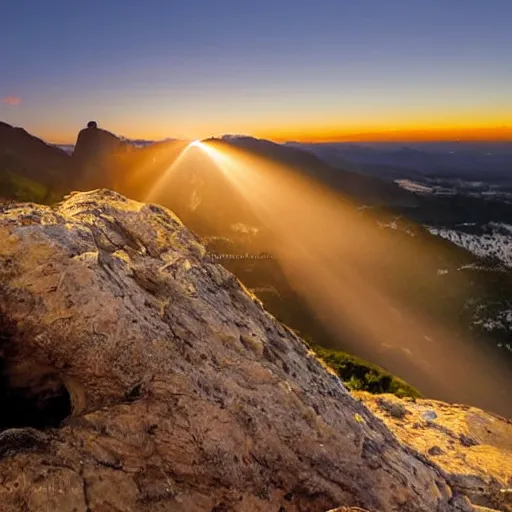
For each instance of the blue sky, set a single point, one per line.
(167, 68)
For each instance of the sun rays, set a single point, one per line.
(167, 175)
(334, 257)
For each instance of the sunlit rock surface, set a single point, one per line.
(137, 375)
(473, 448)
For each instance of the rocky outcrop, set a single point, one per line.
(138, 375)
(472, 448)
(94, 157)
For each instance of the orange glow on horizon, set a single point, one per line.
(482, 133)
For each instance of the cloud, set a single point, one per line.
(11, 100)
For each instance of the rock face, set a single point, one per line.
(137, 375)
(472, 448)
(94, 155)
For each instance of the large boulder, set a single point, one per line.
(138, 375)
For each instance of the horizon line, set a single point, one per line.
(500, 133)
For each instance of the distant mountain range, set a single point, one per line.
(52, 163)
(137, 143)
(345, 179)
(458, 159)
(469, 160)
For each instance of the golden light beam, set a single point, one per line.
(334, 256)
(161, 182)
(148, 158)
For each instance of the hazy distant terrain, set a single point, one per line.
(464, 193)
(456, 160)
(136, 143)
(464, 189)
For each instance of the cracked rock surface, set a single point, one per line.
(472, 448)
(182, 393)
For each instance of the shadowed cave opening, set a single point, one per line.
(30, 395)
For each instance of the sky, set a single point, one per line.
(280, 69)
